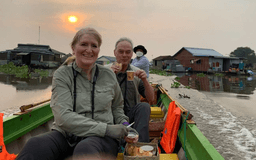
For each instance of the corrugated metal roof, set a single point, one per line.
(225, 57)
(57, 52)
(29, 48)
(203, 52)
(22, 54)
(112, 59)
(164, 58)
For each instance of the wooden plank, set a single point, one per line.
(21, 113)
(25, 107)
(154, 134)
(28, 108)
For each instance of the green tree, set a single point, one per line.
(244, 52)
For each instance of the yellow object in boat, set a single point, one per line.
(157, 115)
(168, 157)
(161, 156)
(156, 110)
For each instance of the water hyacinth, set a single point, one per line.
(42, 73)
(20, 71)
(201, 75)
(175, 85)
(159, 72)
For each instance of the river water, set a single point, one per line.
(236, 93)
(16, 92)
(215, 103)
(226, 112)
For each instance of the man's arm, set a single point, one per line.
(149, 91)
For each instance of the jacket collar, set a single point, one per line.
(80, 70)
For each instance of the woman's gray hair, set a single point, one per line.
(124, 39)
(83, 31)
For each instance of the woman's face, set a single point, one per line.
(86, 51)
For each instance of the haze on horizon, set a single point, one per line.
(163, 27)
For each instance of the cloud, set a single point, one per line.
(162, 26)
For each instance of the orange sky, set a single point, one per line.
(163, 27)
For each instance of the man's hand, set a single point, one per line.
(141, 74)
(117, 131)
(116, 67)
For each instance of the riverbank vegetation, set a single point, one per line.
(21, 71)
(42, 73)
(219, 74)
(177, 78)
(201, 75)
(159, 72)
(175, 85)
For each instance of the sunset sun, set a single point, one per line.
(72, 19)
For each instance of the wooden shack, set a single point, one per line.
(205, 60)
(33, 55)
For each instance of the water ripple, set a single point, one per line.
(235, 133)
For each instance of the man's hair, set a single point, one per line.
(124, 39)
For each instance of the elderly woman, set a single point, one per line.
(87, 105)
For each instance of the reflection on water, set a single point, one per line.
(16, 92)
(212, 83)
(35, 82)
(227, 110)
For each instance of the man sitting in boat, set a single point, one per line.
(86, 101)
(131, 90)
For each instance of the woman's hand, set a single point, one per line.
(117, 131)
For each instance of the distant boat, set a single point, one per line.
(250, 72)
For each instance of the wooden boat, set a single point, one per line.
(37, 119)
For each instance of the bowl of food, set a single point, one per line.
(140, 150)
(149, 149)
(133, 136)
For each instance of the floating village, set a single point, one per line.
(187, 59)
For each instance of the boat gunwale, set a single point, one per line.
(16, 126)
(202, 149)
